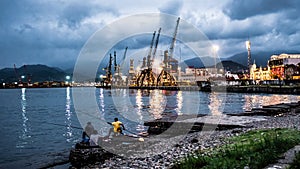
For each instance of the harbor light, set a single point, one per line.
(215, 48)
(68, 77)
(3, 84)
(22, 76)
(248, 45)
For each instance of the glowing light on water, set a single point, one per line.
(215, 104)
(179, 102)
(25, 129)
(68, 115)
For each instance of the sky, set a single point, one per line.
(54, 32)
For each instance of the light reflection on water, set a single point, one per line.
(145, 105)
(23, 138)
(68, 114)
(259, 100)
(215, 105)
(31, 112)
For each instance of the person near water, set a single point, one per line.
(88, 130)
(116, 127)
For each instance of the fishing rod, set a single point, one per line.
(127, 131)
(75, 127)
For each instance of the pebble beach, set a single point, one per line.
(165, 156)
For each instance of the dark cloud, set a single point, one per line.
(73, 14)
(43, 32)
(239, 9)
(172, 7)
(53, 32)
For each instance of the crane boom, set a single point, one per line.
(124, 56)
(109, 64)
(156, 43)
(174, 39)
(150, 51)
(152, 42)
(115, 61)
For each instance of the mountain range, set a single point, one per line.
(34, 73)
(39, 73)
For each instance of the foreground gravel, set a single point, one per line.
(164, 156)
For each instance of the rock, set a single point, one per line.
(194, 140)
(237, 130)
(80, 157)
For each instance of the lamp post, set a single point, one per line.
(248, 47)
(67, 79)
(215, 51)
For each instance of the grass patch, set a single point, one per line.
(255, 149)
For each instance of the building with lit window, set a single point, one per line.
(260, 73)
(283, 67)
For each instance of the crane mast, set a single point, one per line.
(124, 56)
(150, 51)
(174, 39)
(115, 61)
(156, 43)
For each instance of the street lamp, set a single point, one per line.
(67, 79)
(215, 50)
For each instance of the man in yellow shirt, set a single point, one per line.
(117, 127)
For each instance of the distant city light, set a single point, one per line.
(101, 76)
(16, 82)
(68, 77)
(23, 77)
(3, 84)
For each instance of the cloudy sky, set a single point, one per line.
(54, 32)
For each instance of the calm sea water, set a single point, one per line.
(39, 126)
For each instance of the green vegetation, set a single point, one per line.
(296, 162)
(255, 149)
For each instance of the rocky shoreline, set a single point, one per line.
(167, 150)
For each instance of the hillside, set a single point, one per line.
(38, 73)
(197, 62)
(231, 66)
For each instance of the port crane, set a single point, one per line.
(117, 78)
(147, 77)
(108, 78)
(156, 44)
(165, 78)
